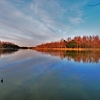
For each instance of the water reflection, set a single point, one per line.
(2, 80)
(77, 56)
(7, 51)
(30, 75)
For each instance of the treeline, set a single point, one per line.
(26, 47)
(8, 45)
(76, 42)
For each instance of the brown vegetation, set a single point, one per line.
(85, 42)
(8, 45)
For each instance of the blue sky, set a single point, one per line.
(32, 22)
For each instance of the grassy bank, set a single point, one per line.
(80, 49)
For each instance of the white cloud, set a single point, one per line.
(38, 25)
(37, 21)
(76, 20)
(76, 12)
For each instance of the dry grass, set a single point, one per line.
(80, 49)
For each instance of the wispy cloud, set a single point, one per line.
(76, 13)
(76, 20)
(65, 10)
(38, 25)
(33, 22)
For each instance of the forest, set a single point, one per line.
(76, 42)
(8, 45)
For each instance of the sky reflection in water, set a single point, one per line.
(34, 75)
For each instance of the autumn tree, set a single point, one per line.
(77, 42)
(0, 44)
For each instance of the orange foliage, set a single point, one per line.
(77, 42)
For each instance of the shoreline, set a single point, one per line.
(79, 49)
(8, 48)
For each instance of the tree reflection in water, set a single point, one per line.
(7, 51)
(92, 56)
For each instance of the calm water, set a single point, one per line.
(50, 75)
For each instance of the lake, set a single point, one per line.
(49, 75)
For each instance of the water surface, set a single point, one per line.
(50, 75)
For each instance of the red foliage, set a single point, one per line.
(81, 42)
